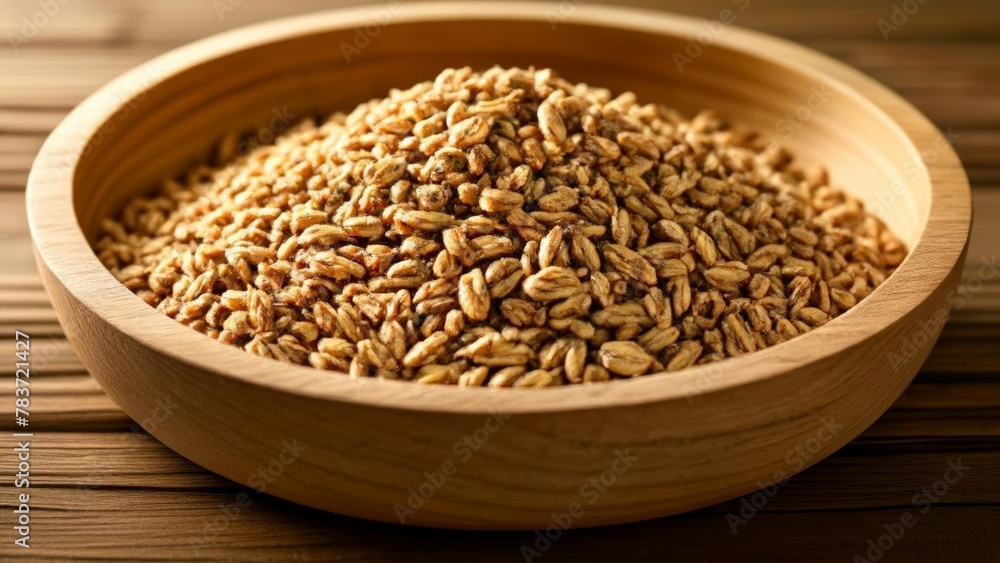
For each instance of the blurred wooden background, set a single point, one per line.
(103, 490)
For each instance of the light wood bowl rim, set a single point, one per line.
(62, 247)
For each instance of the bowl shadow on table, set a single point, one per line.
(824, 512)
(828, 512)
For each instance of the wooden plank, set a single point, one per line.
(13, 181)
(18, 281)
(953, 111)
(926, 396)
(956, 63)
(942, 55)
(172, 506)
(64, 403)
(920, 423)
(31, 121)
(49, 356)
(73, 459)
(960, 356)
(20, 144)
(35, 329)
(24, 298)
(168, 23)
(984, 176)
(16, 162)
(15, 241)
(270, 531)
(28, 315)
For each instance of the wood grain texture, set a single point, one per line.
(946, 64)
(817, 512)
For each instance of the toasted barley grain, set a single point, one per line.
(625, 358)
(473, 296)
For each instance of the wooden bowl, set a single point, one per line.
(499, 459)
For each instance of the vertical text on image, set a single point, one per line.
(22, 402)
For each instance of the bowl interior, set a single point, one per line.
(163, 128)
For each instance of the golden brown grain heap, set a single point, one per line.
(505, 228)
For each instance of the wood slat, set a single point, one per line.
(962, 356)
(24, 298)
(963, 397)
(904, 464)
(35, 329)
(65, 403)
(924, 423)
(15, 243)
(13, 181)
(12, 144)
(20, 281)
(16, 162)
(268, 531)
(49, 356)
(28, 315)
(171, 504)
(85, 23)
(31, 121)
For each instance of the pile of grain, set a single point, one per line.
(505, 228)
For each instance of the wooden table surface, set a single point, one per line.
(102, 489)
